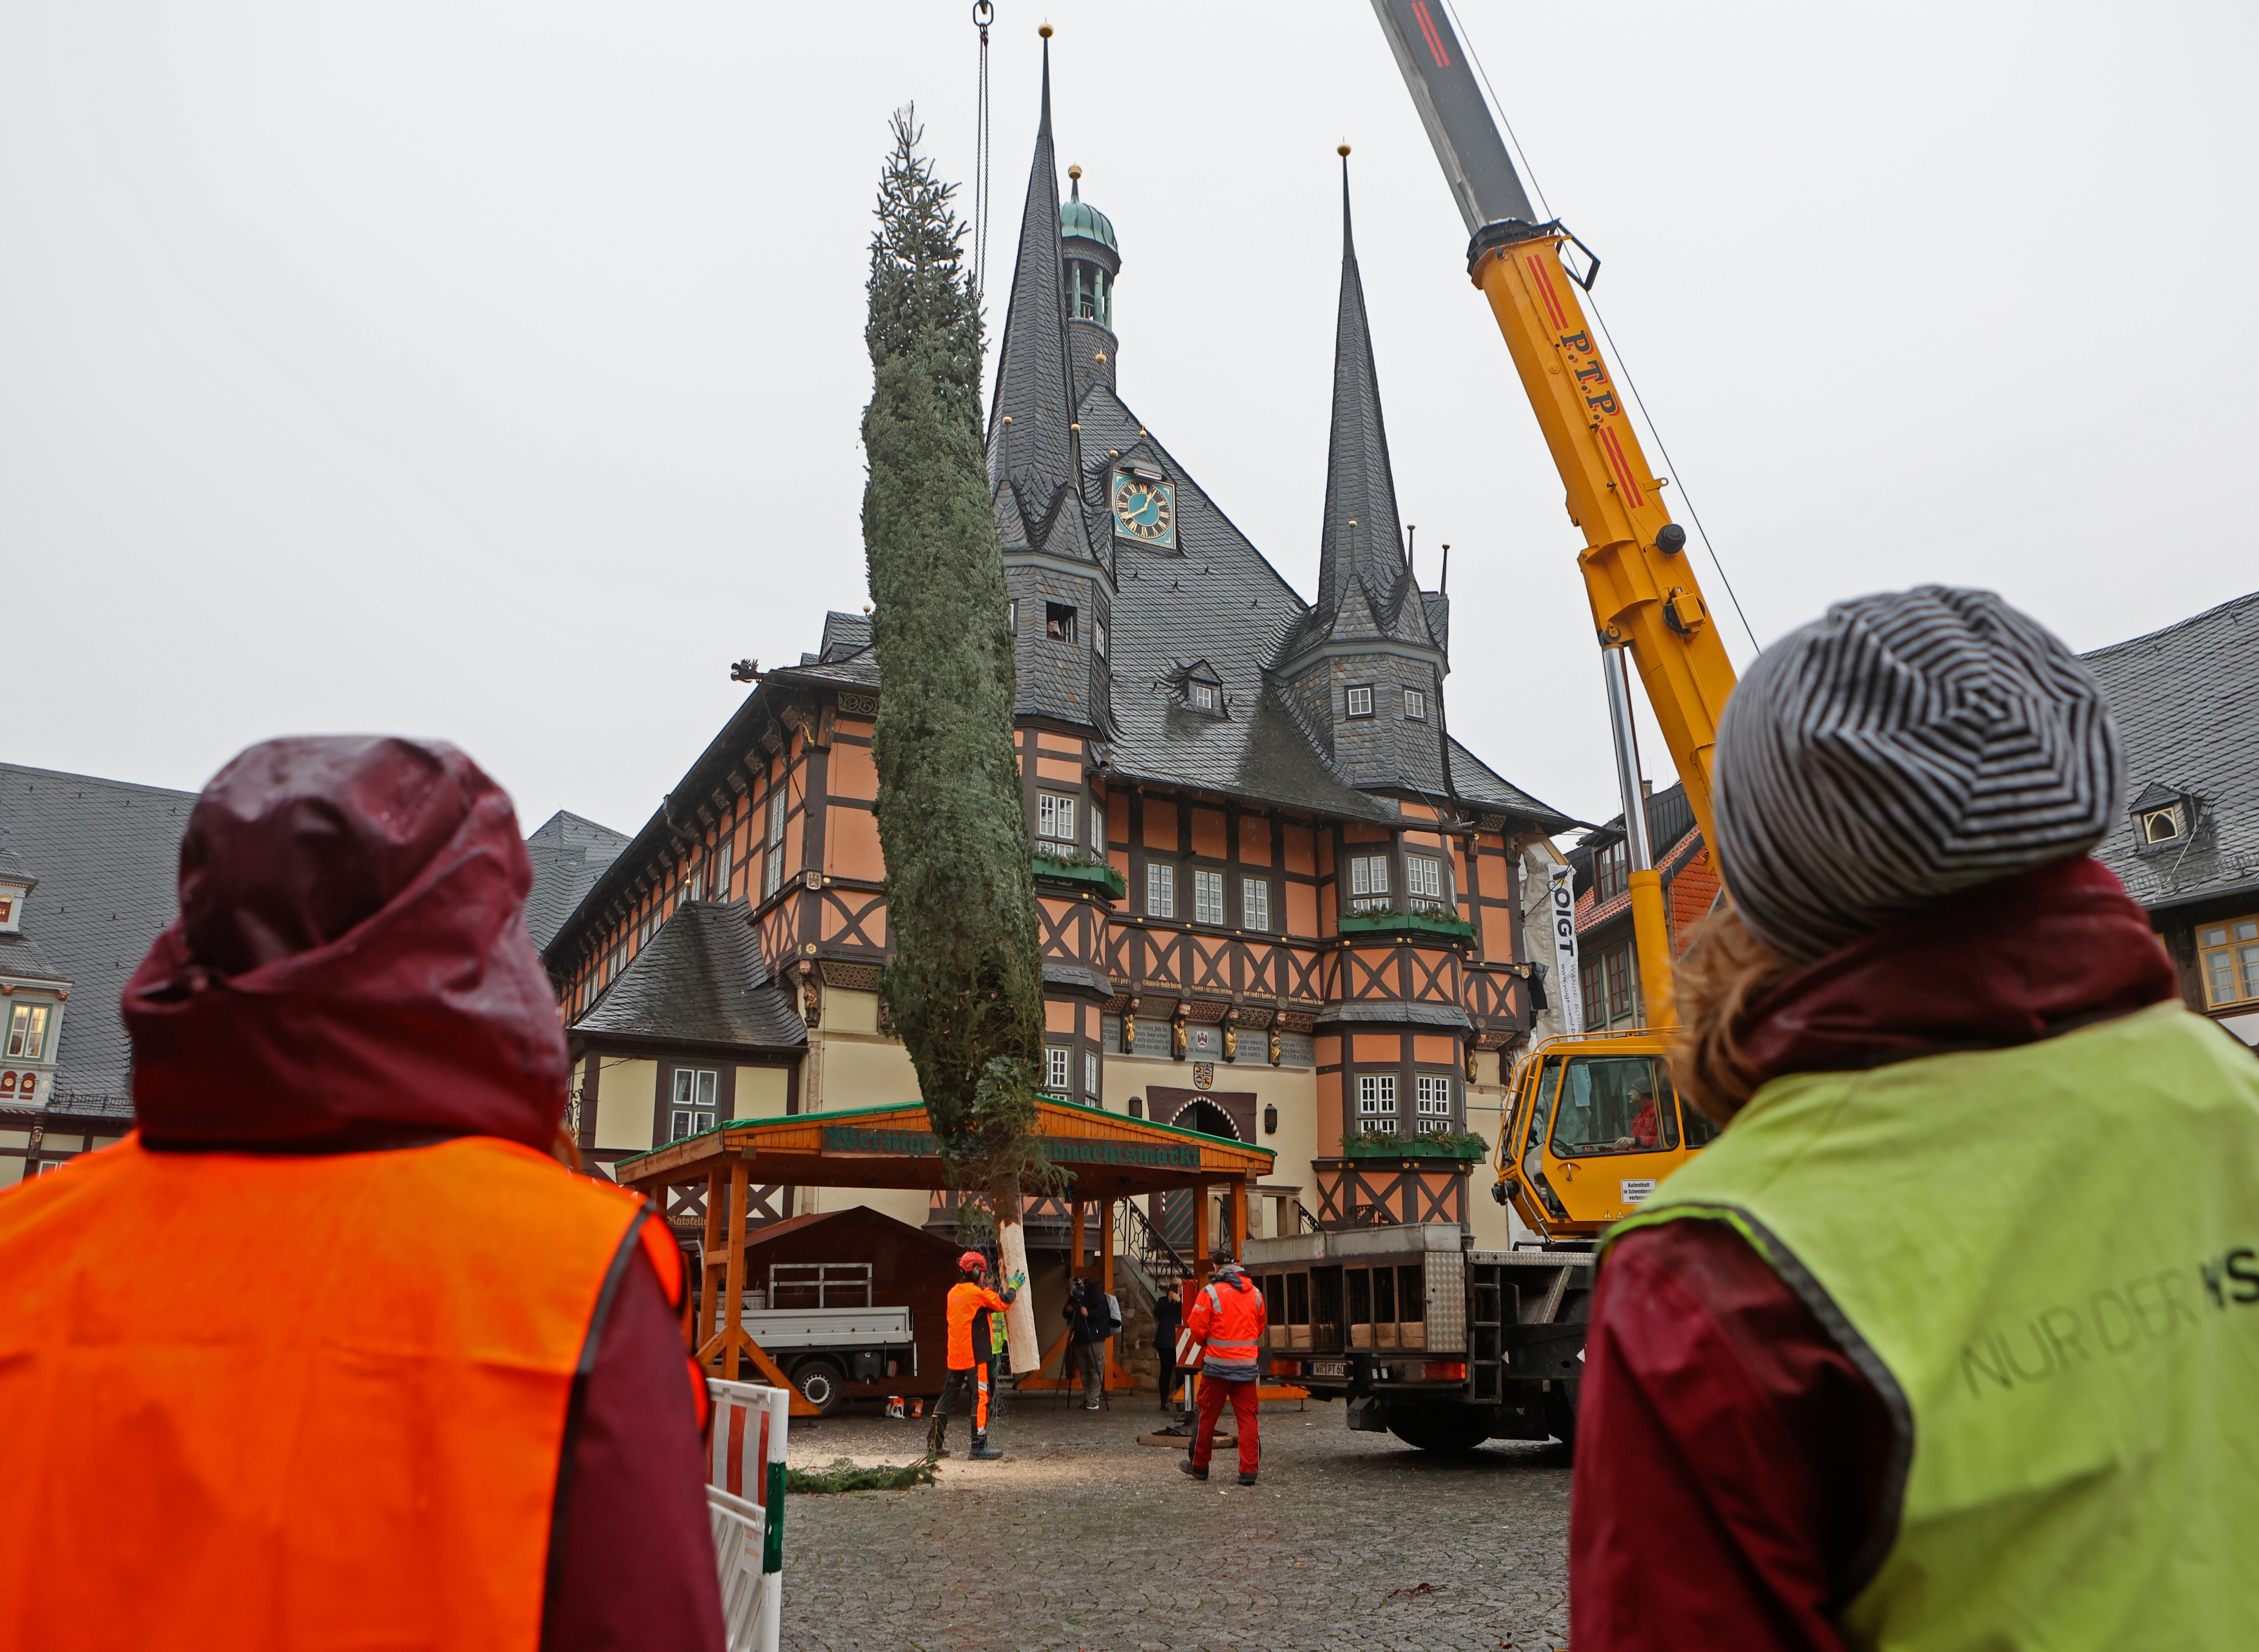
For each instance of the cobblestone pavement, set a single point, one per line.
(1081, 1538)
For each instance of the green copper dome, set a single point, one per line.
(1078, 217)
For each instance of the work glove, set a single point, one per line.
(1009, 1294)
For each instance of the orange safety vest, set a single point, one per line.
(277, 1401)
(966, 1302)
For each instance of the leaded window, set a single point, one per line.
(1207, 897)
(1160, 890)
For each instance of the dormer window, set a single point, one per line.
(27, 1033)
(1415, 704)
(1611, 872)
(1203, 690)
(1360, 703)
(2164, 819)
(1058, 622)
(1203, 696)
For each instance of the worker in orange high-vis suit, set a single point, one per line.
(332, 1351)
(1227, 1321)
(971, 1358)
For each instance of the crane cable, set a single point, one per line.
(1592, 305)
(984, 13)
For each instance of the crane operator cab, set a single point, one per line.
(1596, 1126)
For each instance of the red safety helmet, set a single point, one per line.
(974, 1262)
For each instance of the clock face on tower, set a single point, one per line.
(1146, 509)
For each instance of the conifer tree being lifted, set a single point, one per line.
(965, 985)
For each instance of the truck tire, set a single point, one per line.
(821, 1382)
(1443, 1427)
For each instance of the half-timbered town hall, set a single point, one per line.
(1280, 902)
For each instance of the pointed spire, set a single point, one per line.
(1364, 579)
(1031, 459)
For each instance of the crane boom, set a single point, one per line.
(1644, 594)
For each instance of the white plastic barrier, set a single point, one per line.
(744, 1498)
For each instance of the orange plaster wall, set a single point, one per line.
(1058, 1016)
(1117, 817)
(850, 844)
(1330, 1104)
(1207, 833)
(1434, 1051)
(1161, 829)
(1362, 832)
(1498, 933)
(1254, 840)
(1376, 1048)
(1302, 850)
(1302, 909)
(853, 773)
(1061, 770)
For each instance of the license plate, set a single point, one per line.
(1329, 1368)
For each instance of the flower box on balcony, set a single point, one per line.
(1373, 1145)
(1393, 924)
(1096, 873)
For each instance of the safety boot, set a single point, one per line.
(1188, 1466)
(983, 1452)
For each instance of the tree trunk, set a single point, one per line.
(1012, 1262)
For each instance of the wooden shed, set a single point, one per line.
(909, 1268)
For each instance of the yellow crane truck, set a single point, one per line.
(1593, 1124)
(1425, 1337)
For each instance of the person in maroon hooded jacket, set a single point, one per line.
(1907, 790)
(332, 1351)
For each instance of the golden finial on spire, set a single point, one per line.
(1074, 171)
(1046, 31)
(1344, 151)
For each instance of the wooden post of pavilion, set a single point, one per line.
(1201, 1243)
(733, 1289)
(1237, 1204)
(711, 1260)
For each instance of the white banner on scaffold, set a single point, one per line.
(1568, 983)
(744, 1499)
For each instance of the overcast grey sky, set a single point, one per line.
(492, 371)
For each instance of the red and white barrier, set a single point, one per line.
(744, 1499)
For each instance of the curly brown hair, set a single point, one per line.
(1723, 972)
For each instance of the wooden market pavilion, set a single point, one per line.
(1109, 1157)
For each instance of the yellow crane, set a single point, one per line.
(1592, 1123)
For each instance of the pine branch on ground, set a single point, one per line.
(843, 1475)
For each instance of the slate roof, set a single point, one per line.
(699, 980)
(107, 856)
(568, 853)
(21, 959)
(2183, 698)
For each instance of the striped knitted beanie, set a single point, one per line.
(1906, 746)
